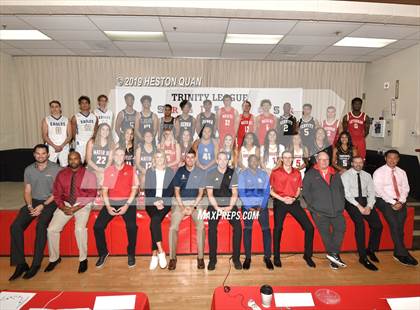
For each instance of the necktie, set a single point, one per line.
(72, 196)
(394, 182)
(359, 186)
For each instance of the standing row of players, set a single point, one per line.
(96, 134)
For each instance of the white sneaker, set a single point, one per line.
(154, 262)
(162, 260)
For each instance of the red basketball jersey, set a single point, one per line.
(226, 123)
(332, 131)
(265, 124)
(356, 125)
(246, 124)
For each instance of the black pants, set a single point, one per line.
(332, 231)
(130, 224)
(264, 220)
(280, 211)
(235, 222)
(18, 227)
(156, 219)
(396, 221)
(375, 226)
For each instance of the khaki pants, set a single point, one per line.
(176, 218)
(57, 224)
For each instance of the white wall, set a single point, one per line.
(405, 67)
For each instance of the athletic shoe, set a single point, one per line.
(405, 260)
(335, 258)
(162, 260)
(101, 261)
(333, 266)
(154, 262)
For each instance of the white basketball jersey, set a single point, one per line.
(85, 126)
(57, 128)
(245, 154)
(104, 117)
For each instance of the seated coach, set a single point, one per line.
(38, 186)
(74, 191)
(118, 191)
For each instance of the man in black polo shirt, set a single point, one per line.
(38, 181)
(222, 191)
(189, 182)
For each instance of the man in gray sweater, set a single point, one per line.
(323, 192)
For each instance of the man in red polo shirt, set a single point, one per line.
(286, 182)
(119, 191)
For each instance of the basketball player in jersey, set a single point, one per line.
(357, 123)
(206, 118)
(343, 153)
(126, 118)
(264, 121)
(84, 125)
(206, 149)
(102, 112)
(146, 119)
(331, 125)
(56, 133)
(286, 125)
(144, 156)
(307, 126)
(185, 121)
(167, 121)
(246, 122)
(227, 119)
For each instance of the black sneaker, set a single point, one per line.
(277, 262)
(19, 271)
(52, 265)
(372, 256)
(367, 264)
(413, 261)
(309, 262)
(333, 266)
(405, 260)
(268, 263)
(83, 266)
(335, 258)
(131, 261)
(31, 272)
(101, 261)
(211, 265)
(237, 264)
(247, 263)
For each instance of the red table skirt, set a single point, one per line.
(352, 297)
(292, 237)
(77, 299)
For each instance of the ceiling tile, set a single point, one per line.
(248, 48)
(402, 44)
(414, 36)
(215, 25)
(49, 52)
(313, 28)
(384, 31)
(179, 47)
(212, 54)
(244, 55)
(14, 51)
(148, 53)
(306, 57)
(37, 44)
(14, 23)
(341, 50)
(127, 23)
(368, 58)
(326, 57)
(385, 51)
(59, 22)
(252, 26)
(309, 40)
(195, 37)
(105, 45)
(151, 46)
(97, 52)
(69, 35)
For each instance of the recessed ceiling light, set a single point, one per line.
(364, 42)
(135, 36)
(237, 38)
(22, 35)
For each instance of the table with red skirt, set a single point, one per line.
(351, 297)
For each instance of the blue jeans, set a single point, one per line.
(265, 226)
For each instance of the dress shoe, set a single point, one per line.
(367, 264)
(31, 272)
(101, 261)
(309, 262)
(52, 265)
(237, 264)
(83, 266)
(19, 271)
(200, 263)
(172, 264)
(247, 263)
(405, 260)
(131, 261)
(413, 261)
(277, 262)
(268, 263)
(372, 256)
(211, 265)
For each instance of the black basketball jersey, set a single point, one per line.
(185, 124)
(129, 120)
(166, 125)
(146, 123)
(100, 155)
(286, 125)
(146, 158)
(344, 158)
(307, 131)
(207, 121)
